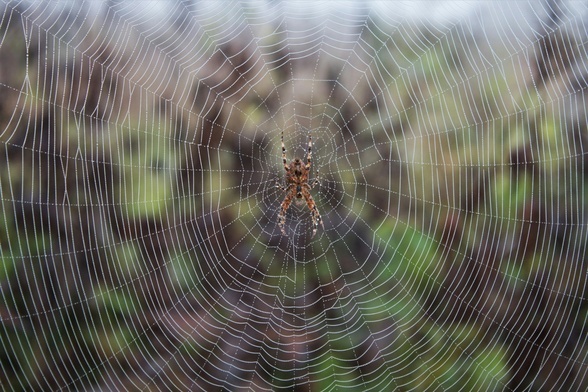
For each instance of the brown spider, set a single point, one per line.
(297, 187)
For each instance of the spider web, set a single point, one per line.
(139, 238)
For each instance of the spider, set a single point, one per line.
(298, 188)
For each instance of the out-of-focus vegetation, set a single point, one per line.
(139, 247)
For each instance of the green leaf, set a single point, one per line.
(115, 301)
(411, 257)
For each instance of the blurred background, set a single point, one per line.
(139, 153)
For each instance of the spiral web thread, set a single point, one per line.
(140, 245)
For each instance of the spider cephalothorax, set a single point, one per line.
(297, 187)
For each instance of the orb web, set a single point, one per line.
(140, 195)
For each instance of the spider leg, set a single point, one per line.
(316, 216)
(284, 160)
(309, 156)
(282, 215)
(316, 180)
(280, 186)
